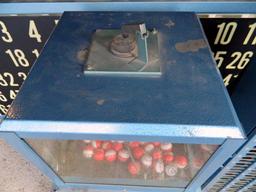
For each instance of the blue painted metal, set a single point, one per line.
(117, 188)
(198, 6)
(237, 173)
(232, 169)
(225, 152)
(129, 132)
(57, 101)
(249, 187)
(179, 104)
(243, 179)
(22, 147)
(244, 99)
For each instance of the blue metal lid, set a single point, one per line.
(188, 99)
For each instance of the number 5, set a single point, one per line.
(7, 38)
(219, 58)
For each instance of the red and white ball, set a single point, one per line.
(134, 168)
(147, 160)
(171, 170)
(157, 154)
(96, 144)
(117, 146)
(134, 144)
(106, 145)
(159, 166)
(149, 147)
(123, 155)
(198, 163)
(166, 146)
(157, 144)
(110, 155)
(208, 148)
(88, 152)
(181, 161)
(168, 157)
(99, 155)
(138, 152)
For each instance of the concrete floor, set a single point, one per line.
(18, 175)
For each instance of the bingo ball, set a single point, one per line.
(159, 166)
(106, 145)
(166, 146)
(117, 146)
(197, 163)
(168, 157)
(88, 152)
(181, 161)
(134, 144)
(96, 144)
(123, 155)
(110, 155)
(149, 147)
(157, 154)
(99, 155)
(156, 144)
(171, 170)
(208, 148)
(147, 160)
(138, 152)
(134, 168)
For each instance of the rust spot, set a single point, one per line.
(100, 102)
(169, 24)
(191, 45)
(82, 55)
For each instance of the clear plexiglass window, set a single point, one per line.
(124, 163)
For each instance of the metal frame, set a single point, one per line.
(228, 147)
(198, 6)
(225, 151)
(240, 173)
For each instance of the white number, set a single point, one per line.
(13, 93)
(18, 58)
(56, 21)
(35, 51)
(227, 79)
(2, 97)
(22, 75)
(33, 32)
(249, 35)
(243, 59)
(219, 58)
(7, 38)
(5, 83)
(225, 33)
(3, 109)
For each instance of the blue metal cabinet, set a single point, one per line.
(59, 108)
(239, 172)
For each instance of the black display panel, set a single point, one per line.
(232, 41)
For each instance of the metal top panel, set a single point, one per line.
(53, 7)
(189, 98)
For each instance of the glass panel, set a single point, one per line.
(125, 163)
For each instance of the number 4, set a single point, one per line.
(33, 32)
